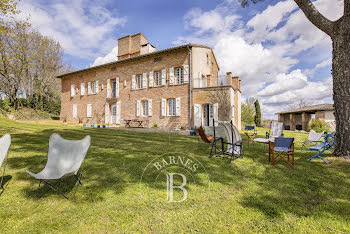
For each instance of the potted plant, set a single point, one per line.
(64, 119)
(193, 131)
(80, 120)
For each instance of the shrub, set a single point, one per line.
(319, 126)
(155, 125)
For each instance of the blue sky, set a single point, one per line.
(279, 55)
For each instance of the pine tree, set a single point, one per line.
(257, 117)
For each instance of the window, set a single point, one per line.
(145, 108)
(93, 87)
(172, 107)
(179, 75)
(114, 86)
(72, 90)
(89, 110)
(207, 59)
(158, 78)
(82, 89)
(139, 81)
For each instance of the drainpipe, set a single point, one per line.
(190, 80)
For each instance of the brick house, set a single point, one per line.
(165, 87)
(299, 118)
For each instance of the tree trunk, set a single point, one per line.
(341, 84)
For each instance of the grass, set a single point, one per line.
(248, 195)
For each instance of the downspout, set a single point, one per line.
(190, 80)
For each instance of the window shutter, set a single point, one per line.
(89, 111)
(163, 107)
(133, 82)
(178, 106)
(150, 107)
(118, 112)
(82, 89)
(144, 80)
(89, 88)
(75, 111)
(96, 87)
(107, 112)
(108, 88)
(151, 79)
(72, 90)
(216, 112)
(171, 76)
(117, 87)
(163, 76)
(186, 72)
(197, 115)
(138, 103)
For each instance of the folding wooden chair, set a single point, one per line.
(250, 132)
(282, 148)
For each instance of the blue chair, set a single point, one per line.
(283, 148)
(327, 143)
(250, 132)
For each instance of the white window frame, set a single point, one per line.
(82, 89)
(114, 88)
(179, 75)
(171, 104)
(145, 108)
(157, 78)
(139, 81)
(72, 90)
(93, 87)
(88, 115)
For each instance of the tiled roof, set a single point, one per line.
(136, 57)
(313, 108)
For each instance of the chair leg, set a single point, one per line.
(37, 191)
(3, 173)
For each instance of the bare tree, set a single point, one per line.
(339, 32)
(222, 97)
(301, 102)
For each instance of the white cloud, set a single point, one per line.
(324, 63)
(263, 50)
(285, 82)
(110, 57)
(83, 28)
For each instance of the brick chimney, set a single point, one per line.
(228, 78)
(236, 83)
(130, 46)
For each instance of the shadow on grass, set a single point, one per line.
(117, 159)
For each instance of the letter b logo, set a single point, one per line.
(170, 187)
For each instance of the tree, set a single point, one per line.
(248, 111)
(257, 117)
(339, 32)
(222, 97)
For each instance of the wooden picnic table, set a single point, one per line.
(134, 123)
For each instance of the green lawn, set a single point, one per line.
(248, 195)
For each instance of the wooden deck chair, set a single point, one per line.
(250, 132)
(283, 148)
(229, 146)
(64, 157)
(326, 144)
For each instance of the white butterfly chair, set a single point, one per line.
(229, 148)
(5, 142)
(64, 157)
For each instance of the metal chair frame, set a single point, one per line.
(219, 150)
